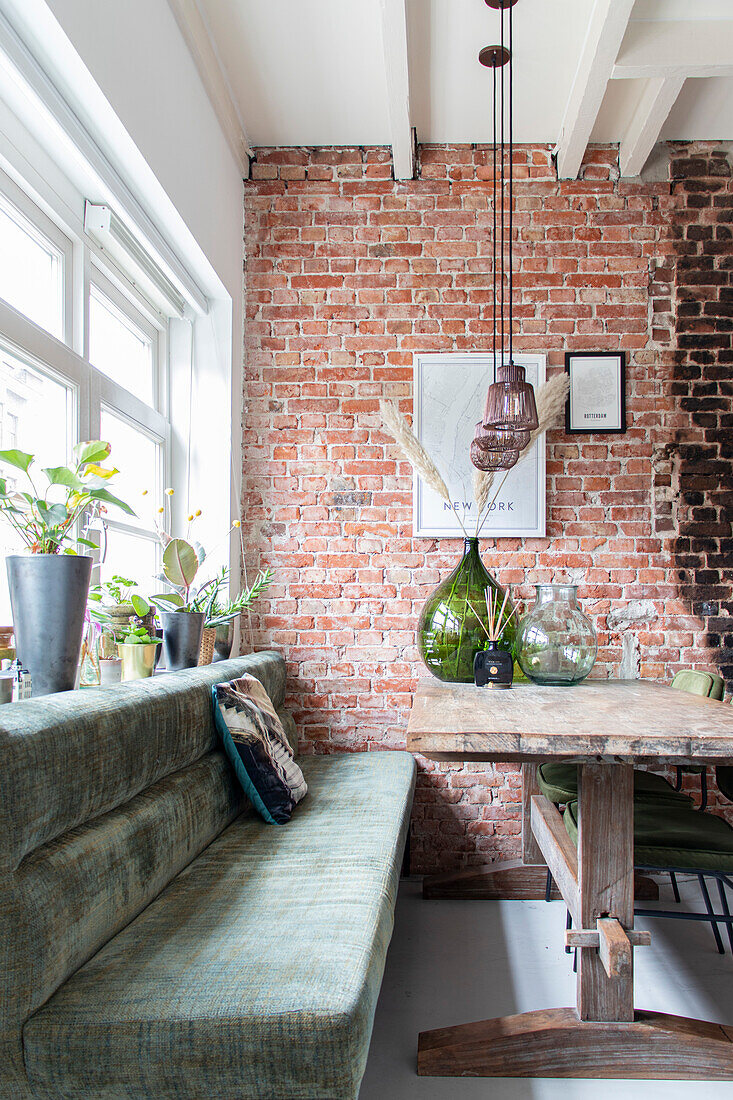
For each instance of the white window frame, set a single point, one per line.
(46, 232)
(92, 390)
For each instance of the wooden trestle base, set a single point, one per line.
(510, 880)
(556, 1043)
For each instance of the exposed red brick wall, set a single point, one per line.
(347, 275)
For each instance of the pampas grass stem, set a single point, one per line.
(395, 424)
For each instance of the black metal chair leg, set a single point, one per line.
(675, 887)
(711, 913)
(678, 784)
(548, 886)
(726, 910)
(704, 789)
(568, 926)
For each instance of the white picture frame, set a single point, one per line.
(448, 400)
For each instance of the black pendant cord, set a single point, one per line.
(493, 238)
(511, 184)
(501, 185)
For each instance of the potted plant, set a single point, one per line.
(48, 587)
(115, 603)
(220, 615)
(138, 650)
(183, 610)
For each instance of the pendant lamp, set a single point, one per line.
(510, 414)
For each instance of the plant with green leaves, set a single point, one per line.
(139, 635)
(46, 520)
(220, 613)
(180, 567)
(117, 592)
(181, 564)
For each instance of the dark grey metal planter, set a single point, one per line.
(182, 631)
(48, 597)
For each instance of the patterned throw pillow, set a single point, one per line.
(258, 749)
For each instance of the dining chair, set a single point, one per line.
(681, 839)
(712, 686)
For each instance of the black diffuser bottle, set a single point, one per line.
(493, 667)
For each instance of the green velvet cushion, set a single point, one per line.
(666, 835)
(559, 782)
(255, 974)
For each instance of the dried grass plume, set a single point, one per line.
(395, 424)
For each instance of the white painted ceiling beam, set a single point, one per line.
(605, 33)
(688, 49)
(394, 40)
(651, 112)
(200, 43)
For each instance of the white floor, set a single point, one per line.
(455, 961)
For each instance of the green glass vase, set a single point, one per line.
(451, 630)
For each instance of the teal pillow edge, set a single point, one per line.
(236, 761)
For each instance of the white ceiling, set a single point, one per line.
(312, 72)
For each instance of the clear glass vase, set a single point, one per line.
(452, 626)
(556, 643)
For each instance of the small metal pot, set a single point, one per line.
(182, 632)
(223, 642)
(138, 661)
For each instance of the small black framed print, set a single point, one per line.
(597, 397)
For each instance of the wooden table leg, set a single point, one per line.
(602, 1037)
(605, 882)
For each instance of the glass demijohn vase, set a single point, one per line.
(451, 629)
(556, 643)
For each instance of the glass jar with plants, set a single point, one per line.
(138, 650)
(49, 586)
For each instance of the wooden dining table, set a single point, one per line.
(606, 727)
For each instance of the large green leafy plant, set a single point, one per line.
(45, 518)
(181, 564)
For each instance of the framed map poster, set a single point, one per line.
(449, 395)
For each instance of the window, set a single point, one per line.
(52, 395)
(36, 416)
(34, 262)
(121, 347)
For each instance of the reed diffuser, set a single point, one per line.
(492, 666)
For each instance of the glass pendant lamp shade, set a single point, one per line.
(502, 439)
(510, 402)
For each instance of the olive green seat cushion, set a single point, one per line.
(559, 782)
(667, 835)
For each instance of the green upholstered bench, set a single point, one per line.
(159, 939)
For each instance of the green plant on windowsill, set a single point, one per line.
(218, 614)
(139, 635)
(115, 596)
(45, 518)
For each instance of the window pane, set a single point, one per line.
(31, 271)
(133, 557)
(118, 348)
(137, 457)
(35, 416)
